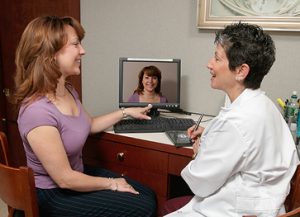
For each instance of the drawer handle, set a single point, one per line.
(120, 156)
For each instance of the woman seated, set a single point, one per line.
(54, 126)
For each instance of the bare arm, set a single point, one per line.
(46, 143)
(103, 122)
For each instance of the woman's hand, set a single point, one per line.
(139, 112)
(196, 146)
(120, 184)
(195, 138)
(194, 134)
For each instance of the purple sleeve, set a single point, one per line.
(134, 98)
(40, 113)
(35, 115)
(163, 99)
(73, 131)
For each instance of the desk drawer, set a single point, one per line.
(151, 164)
(177, 163)
(133, 157)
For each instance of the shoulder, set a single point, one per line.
(39, 113)
(252, 113)
(163, 99)
(134, 98)
(41, 105)
(251, 105)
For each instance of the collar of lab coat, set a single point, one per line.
(243, 97)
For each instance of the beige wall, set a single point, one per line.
(165, 29)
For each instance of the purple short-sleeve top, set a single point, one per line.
(73, 130)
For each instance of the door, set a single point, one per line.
(14, 16)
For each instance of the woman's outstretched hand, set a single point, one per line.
(139, 112)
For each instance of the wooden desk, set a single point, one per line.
(155, 164)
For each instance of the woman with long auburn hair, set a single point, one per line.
(54, 127)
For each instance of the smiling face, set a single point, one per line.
(222, 77)
(69, 56)
(149, 82)
(230, 81)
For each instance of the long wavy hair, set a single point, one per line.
(37, 72)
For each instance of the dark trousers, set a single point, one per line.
(67, 203)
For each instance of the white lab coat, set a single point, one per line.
(245, 162)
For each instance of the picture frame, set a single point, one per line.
(280, 15)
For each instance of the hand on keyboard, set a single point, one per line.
(137, 112)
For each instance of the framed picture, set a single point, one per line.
(273, 15)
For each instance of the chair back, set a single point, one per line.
(293, 199)
(3, 149)
(17, 188)
(293, 213)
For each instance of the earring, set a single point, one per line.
(238, 78)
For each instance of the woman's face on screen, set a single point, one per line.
(149, 83)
